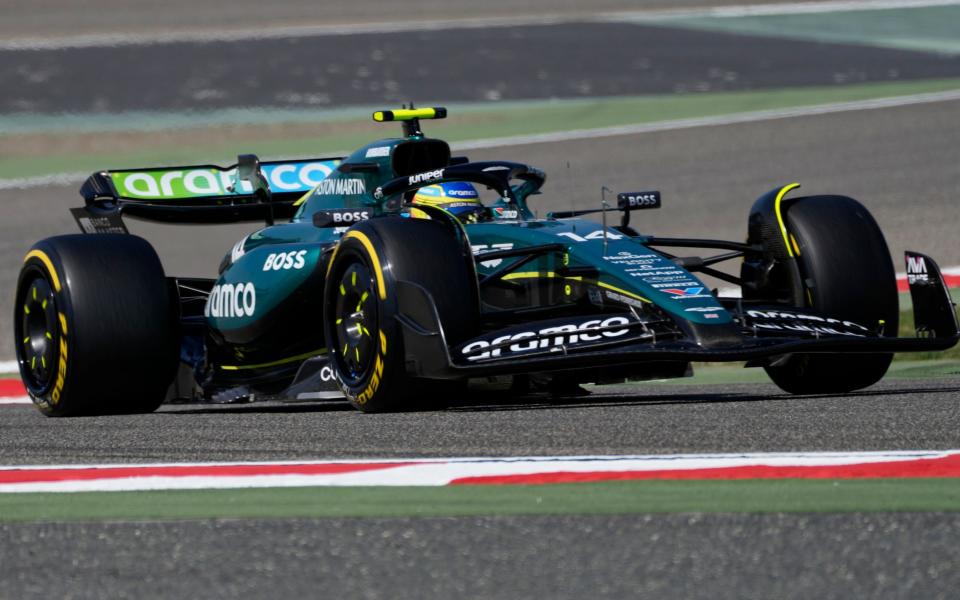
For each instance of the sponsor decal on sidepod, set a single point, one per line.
(285, 260)
(230, 300)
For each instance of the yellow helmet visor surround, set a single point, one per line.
(459, 198)
(408, 114)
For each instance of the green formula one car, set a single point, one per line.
(352, 297)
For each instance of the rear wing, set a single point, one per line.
(198, 193)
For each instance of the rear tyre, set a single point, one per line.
(847, 273)
(95, 325)
(363, 334)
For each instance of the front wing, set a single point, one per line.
(759, 334)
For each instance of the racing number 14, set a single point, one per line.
(593, 235)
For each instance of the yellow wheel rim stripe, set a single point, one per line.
(42, 257)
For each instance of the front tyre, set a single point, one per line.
(847, 273)
(364, 337)
(95, 326)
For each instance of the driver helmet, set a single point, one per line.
(458, 198)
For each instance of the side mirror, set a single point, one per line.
(630, 201)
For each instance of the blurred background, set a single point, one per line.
(713, 102)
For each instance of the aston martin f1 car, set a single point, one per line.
(351, 297)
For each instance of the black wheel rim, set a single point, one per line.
(356, 324)
(38, 334)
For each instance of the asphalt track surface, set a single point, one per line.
(662, 556)
(466, 65)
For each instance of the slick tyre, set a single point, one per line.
(95, 325)
(847, 273)
(364, 337)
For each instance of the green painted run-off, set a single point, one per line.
(745, 496)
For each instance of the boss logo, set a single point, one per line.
(631, 200)
(285, 260)
(339, 217)
(351, 216)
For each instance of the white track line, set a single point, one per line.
(748, 117)
(97, 40)
(15, 400)
(24, 183)
(763, 10)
